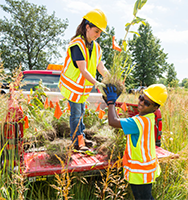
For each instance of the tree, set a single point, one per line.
(148, 57)
(171, 80)
(30, 37)
(162, 81)
(185, 82)
(186, 85)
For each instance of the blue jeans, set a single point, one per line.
(77, 112)
(142, 192)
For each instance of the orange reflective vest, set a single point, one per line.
(73, 85)
(140, 163)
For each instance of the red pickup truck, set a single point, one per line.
(35, 163)
(50, 79)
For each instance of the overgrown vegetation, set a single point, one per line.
(108, 184)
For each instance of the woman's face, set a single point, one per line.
(92, 33)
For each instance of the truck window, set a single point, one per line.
(49, 81)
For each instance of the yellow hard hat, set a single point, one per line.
(157, 93)
(98, 18)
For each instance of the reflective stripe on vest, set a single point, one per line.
(73, 84)
(140, 163)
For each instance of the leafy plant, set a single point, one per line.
(122, 65)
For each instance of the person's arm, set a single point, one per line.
(128, 125)
(82, 67)
(113, 118)
(79, 62)
(102, 69)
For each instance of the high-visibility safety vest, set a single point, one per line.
(140, 163)
(73, 85)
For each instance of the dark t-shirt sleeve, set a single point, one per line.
(76, 54)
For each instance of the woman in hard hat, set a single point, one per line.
(140, 163)
(77, 78)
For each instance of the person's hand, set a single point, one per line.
(101, 87)
(111, 94)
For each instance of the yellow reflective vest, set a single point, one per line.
(73, 85)
(140, 163)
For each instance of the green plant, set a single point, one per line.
(113, 184)
(122, 65)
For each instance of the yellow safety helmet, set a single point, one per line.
(98, 18)
(157, 93)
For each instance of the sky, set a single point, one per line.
(167, 18)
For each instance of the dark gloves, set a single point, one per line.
(111, 94)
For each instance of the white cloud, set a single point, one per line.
(147, 9)
(119, 10)
(162, 8)
(151, 8)
(75, 6)
(184, 61)
(174, 36)
(177, 1)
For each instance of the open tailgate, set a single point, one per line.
(36, 163)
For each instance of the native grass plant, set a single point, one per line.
(12, 182)
(175, 120)
(113, 185)
(106, 139)
(173, 181)
(44, 130)
(122, 65)
(64, 181)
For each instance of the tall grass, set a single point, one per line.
(175, 120)
(173, 181)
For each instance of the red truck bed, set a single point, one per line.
(36, 163)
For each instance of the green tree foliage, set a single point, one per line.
(162, 81)
(171, 80)
(185, 82)
(31, 36)
(148, 56)
(186, 85)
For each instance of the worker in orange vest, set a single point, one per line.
(140, 163)
(77, 78)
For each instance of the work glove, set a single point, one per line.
(111, 94)
(101, 87)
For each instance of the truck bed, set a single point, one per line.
(37, 165)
